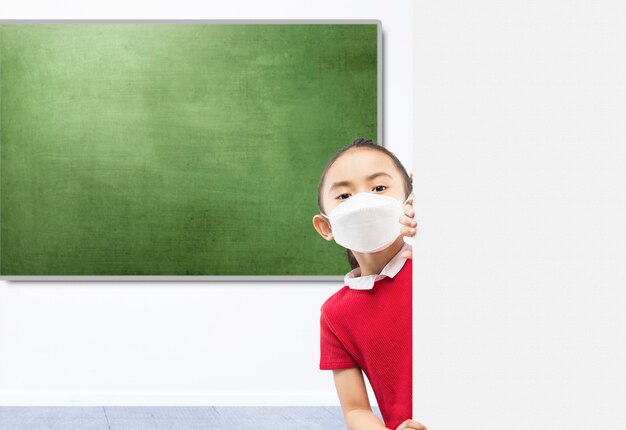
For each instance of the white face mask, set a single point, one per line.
(367, 222)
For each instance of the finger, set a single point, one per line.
(406, 425)
(408, 231)
(405, 220)
(409, 222)
(408, 210)
(407, 254)
(411, 425)
(416, 425)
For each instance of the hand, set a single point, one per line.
(408, 220)
(411, 425)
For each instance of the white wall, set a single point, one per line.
(218, 343)
(520, 298)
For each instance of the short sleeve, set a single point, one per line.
(333, 354)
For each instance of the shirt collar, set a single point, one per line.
(356, 282)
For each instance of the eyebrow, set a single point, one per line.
(369, 178)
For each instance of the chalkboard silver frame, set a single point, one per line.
(313, 278)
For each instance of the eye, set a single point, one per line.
(378, 186)
(339, 196)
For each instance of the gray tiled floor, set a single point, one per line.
(171, 418)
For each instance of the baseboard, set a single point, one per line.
(79, 398)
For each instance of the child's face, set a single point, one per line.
(355, 171)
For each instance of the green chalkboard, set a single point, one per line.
(176, 148)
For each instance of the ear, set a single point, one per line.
(322, 226)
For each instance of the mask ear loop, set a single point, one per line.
(331, 227)
(409, 196)
(325, 216)
(409, 240)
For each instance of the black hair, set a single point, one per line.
(367, 144)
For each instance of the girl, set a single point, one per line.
(364, 197)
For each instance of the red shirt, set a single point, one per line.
(371, 329)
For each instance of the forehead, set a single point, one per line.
(356, 165)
